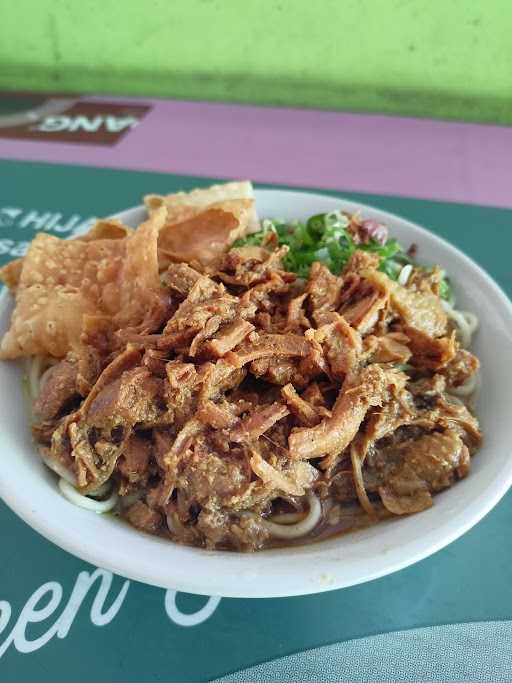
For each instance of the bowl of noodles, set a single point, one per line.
(253, 393)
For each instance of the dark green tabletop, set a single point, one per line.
(147, 638)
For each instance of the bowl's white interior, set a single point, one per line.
(30, 489)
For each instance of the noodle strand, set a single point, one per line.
(59, 469)
(466, 322)
(307, 524)
(34, 376)
(357, 473)
(405, 274)
(85, 502)
(467, 388)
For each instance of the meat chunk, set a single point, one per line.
(400, 410)
(216, 416)
(263, 296)
(126, 360)
(90, 364)
(416, 469)
(260, 421)
(155, 360)
(428, 352)
(438, 458)
(180, 277)
(267, 345)
(457, 417)
(143, 517)
(390, 348)
(361, 260)
(323, 288)
(229, 336)
(405, 493)
(461, 368)
(58, 388)
(181, 388)
(205, 300)
(163, 439)
(218, 530)
(420, 310)
(247, 270)
(250, 533)
(313, 394)
(219, 377)
(334, 434)
(134, 462)
(428, 387)
(306, 413)
(293, 481)
(341, 342)
(278, 370)
(296, 319)
(342, 486)
(213, 527)
(128, 400)
(211, 326)
(171, 455)
(210, 480)
(94, 459)
(426, 280)
(363, 314)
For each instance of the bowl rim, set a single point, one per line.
(248, 585)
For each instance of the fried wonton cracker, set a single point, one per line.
(106, 228)
(103, 229)
(182, 206)
(10, 273)
(206, 235)
(63, 281)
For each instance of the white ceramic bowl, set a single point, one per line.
(30, 489)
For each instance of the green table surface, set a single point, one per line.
(470, 580)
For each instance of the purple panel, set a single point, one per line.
(428, 159)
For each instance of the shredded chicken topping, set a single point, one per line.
(215, 391)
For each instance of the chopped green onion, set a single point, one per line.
(316, 224)
(324, 237)
(445, 289)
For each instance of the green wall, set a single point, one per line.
(443, 58)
